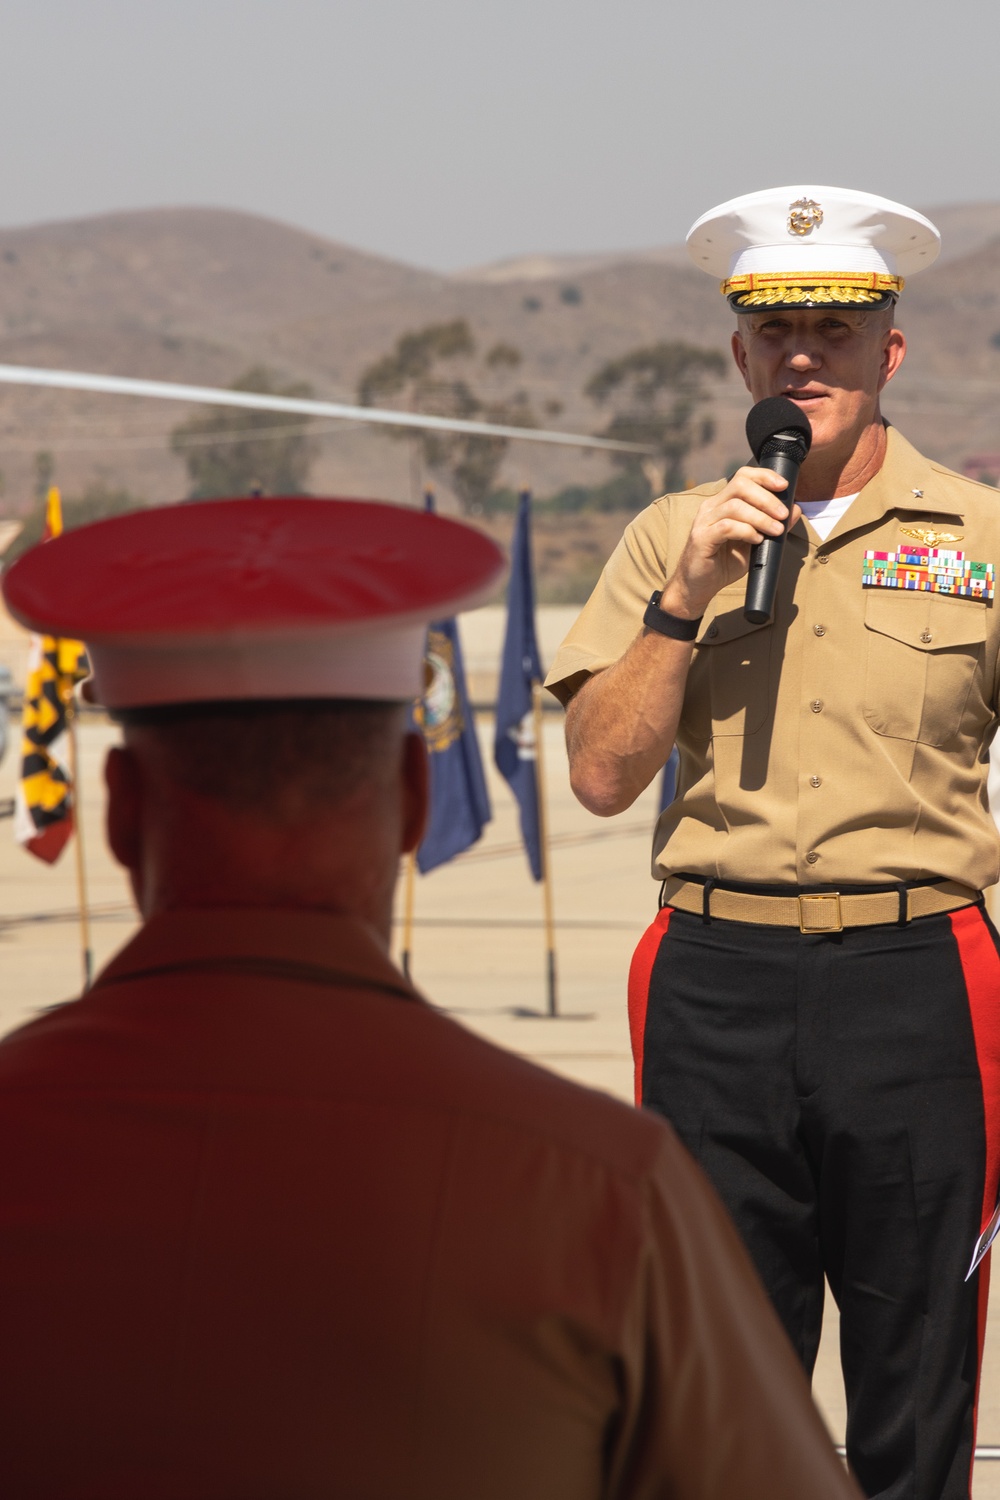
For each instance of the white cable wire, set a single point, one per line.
(163, 390)
(317, 430)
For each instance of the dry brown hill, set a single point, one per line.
(199, 295)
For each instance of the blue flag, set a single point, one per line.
(459, 802)
(668, 784)
(514, 749)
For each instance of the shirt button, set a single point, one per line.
(926, 636)
(819, 630)
(817, 705)
(815, 781)
(811, 857)
(822, 557)
(712, 631)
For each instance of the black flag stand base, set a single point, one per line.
(543, 841)
(551, 966)
(552, 1011)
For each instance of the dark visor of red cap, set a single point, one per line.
(255, 564)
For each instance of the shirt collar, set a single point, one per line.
(905, 482)
(316, 939)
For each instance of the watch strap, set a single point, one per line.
(657, 619)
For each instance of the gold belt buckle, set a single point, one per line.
(820, 913)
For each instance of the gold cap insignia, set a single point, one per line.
(804, 215)
(930, 537)
(817, 288)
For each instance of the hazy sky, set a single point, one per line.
(453, 132)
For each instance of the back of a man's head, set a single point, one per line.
(284, 761)
(305, 804)
(259, 654)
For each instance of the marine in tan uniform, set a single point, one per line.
(815, 1005)
(271, 1225)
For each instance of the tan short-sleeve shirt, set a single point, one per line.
(847, 741)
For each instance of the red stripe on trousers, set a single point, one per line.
(639, 976)
(981, 970)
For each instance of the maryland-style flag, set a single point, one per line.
(43, 815)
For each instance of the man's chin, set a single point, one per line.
(831, 428)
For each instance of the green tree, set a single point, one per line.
(45, 469)
(658, 392)
(411, 374)
(233, 451)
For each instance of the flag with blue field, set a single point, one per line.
(668, 781)
(459, 802)
(515, 751)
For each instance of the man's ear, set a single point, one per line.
(893, 354)
(416, 799)
(740, 355)
(123, 779)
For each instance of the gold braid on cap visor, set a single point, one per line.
(779, 289)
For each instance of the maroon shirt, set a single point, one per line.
(270, 1226)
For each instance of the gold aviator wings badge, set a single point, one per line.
(929, 537)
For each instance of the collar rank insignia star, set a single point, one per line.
(929, 537)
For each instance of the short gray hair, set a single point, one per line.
(272, 759)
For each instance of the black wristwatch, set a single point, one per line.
(656, 618)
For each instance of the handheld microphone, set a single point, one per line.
(779, 436)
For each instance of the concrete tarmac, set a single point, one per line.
(477, 950)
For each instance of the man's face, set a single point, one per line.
(832, 364)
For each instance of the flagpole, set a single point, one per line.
(81, 869)
(550, 928)
(409, 881)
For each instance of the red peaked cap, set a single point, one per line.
(265, 598)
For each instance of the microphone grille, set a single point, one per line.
(783, 445)
(778, 418)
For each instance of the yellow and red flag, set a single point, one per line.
(43, 818)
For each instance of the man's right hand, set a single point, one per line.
(725, 527)
(621, 725)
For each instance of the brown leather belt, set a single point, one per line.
(824, 911)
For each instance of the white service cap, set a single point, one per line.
(807, 246)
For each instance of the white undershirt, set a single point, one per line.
(823, 515)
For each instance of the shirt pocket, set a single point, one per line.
(923, 652)
(734, 660)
